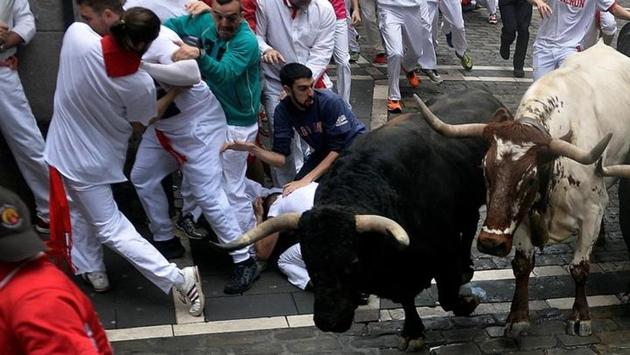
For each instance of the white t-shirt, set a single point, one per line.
(89, 130)
(399, 3)
(298, 201)
(164, 9)
(569, 22)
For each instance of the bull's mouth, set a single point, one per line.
(334, 324)
(496, 244)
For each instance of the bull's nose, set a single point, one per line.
(494, 244)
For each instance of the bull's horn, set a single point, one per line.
(448, 130)
(281, 223)
(613, 170)
(566, 149)
(383, 225)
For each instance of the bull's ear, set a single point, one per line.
(501, 115)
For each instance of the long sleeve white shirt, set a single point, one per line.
(307, 37)
(19, 20)
(399, 3)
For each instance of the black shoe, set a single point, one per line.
(504, 50)
(243, 276)
(170, 249)
(187, 225)
(364, 299)
(519, 73)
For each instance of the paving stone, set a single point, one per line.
(379, 341)
(495, 331)
(498, 345)
(536, 342)
(463, 335)
(456, 349)
(303, 302)
(603, 325)
(295, 333)
(615, 337)
(527, 352)
(319, 344)
(576, 351)
(249, 306)
(440, 323)
(574, 340)
(474, 321)
(547, 327)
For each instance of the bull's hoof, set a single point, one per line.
(466, 305)
(579, 327)
(516, 328)
(410, 345)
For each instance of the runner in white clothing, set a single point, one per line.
(100, 90)
(302, 32)
(604, 26)
(564, 25)
(404, 25)
(17, 123)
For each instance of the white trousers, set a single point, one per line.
(370, 21)
(96, 220)
(284, 174)
(234, 169)
(454, 20)
(406, 35)
(353, 45)
(342, 59)
(291, 264)
(547, 58)
(491, 5)
(20, 131)
(200, 142)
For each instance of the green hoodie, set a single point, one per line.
(230, 68)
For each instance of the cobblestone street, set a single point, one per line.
(276, 318)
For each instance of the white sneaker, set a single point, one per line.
(98, 280)
(190, 291)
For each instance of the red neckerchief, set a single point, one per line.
(294, 9)
(118, 62)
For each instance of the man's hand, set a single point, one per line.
(185, 52)
(4, 32)
(241, 146)
(272, 56)
(543, 9)
(293, 185)
(356, 17)
(196, 8)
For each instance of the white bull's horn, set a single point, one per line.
(383, 225)
(566, 149)
(467, 130)
(283, 222)
(613, 170)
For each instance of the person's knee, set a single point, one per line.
(141, 177)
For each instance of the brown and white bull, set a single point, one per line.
(542, 185)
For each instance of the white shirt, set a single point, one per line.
(399, 3)
(569, 22)
(309, 38)
(298, 201)
(17, 15)
(604, 21)
(164, 9)
(89, 130)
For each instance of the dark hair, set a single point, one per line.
(137, 25)
(101, 5)
(294, 71)
(268, 201)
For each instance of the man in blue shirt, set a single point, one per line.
(321, 118)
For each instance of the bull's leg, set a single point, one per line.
(522, 265)
(579, 322)
(412, 336)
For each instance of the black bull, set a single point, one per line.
(432, 186)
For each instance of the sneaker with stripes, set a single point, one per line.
(190, 291)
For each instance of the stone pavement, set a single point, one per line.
(276, 318)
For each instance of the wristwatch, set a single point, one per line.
(202, 52)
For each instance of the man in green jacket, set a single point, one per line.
(229, 60)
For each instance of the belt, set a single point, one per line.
(11, 63)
